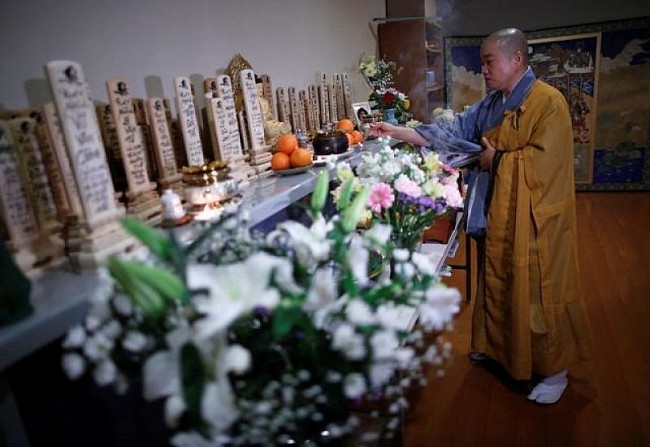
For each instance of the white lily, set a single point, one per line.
(234, 290)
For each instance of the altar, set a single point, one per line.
(60, 296)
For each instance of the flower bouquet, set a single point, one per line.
(380, 76)
(255, 340)
(407, 191)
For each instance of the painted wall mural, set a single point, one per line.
(603, 70)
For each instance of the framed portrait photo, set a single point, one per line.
(361, 110)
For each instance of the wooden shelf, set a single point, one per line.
(402, 42)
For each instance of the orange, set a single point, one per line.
(351, 138)
(358, 136)
(300, 157)
(279, 161)
(287, 143)
(345, 125)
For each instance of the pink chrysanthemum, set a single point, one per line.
(381, 196)
(407, 186)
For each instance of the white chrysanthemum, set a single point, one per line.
(351, 344)
(354, 385)
(75, 337)
(122, 305)
(322, 291)
(237, 359)
(384, 343)
(310, 244)
(404, 356)
(97, 346)
(401, 254)
(92, 322)
(359, 312)
(358, 257)
(74, 365)
(389, 316)
(440, 305)
(381, 373)
(423, 264)
(105, 372)
(112, 329)
(134, 341)
(405, 269)
(378, 234)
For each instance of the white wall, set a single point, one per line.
(481, 17)
(148, 42)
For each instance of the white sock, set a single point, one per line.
(550, 389)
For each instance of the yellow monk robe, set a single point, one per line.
(529, 315)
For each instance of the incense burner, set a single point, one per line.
(330, 141)
(208, 185)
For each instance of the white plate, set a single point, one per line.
(321, 160)
(293, 171)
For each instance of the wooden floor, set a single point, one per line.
(608, 399)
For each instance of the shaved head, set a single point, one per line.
(509, 41)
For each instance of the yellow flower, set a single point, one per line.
(407, 104)
(432, 163)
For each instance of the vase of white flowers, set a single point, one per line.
(264, 340)
(407, 191)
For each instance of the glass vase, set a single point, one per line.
(389, 116)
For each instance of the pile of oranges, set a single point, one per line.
(289, 155)
(347, 126)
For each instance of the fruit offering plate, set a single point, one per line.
(293, 171)
(321, 160)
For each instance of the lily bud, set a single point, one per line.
(319, 196)
(353, 214)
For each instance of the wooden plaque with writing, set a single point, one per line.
(267, 89)
(112, 146)
(188, 122)
(313, 104)
(340, 102)
(331, 94)
(63, 161)
(294, 107)
(16, 210)
(33, 172)
(132, 148)
(231, 138)
(83, 141)
(323, 93)
(347, 96)
(162, 140)
(283, 107)
(253, 110)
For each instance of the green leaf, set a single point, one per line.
(150, 237)
(193, 381)
(284, 320)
